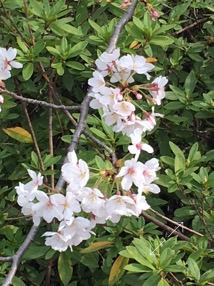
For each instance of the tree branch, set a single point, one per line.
(175, 223)
(38, 102)
(17, 257)
(85, 104)
(165, 227)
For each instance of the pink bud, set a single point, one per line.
(119, 97)
(138, 95)
(154, 13)
(132, 117)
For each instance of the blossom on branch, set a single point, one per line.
(7, 62)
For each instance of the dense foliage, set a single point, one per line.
(58, 43)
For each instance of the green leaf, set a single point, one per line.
(175, 268)
(208, 276)
(163, 282)
(100, 163)
(138, 23)
(22, 45)
(166, 257)
(180, 160)
(190, 83)
(161, 41)
(193, 269)
(152, 281)
(137, 268)
(98, 133)
(34, 159)
(17, 282)
(53, 51)
(95, 26)
(131, 252)
(75, 65)
(65, 268)
(77, 49)
(174, 105)
(35, 251)
(37, 8)
(61, 25)
(27, 71)
(176, 150)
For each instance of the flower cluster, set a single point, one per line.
(117, 101)
(82, 206)
(6, 64)
(67, 208)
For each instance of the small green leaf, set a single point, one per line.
(27, 71)
(100, 163)
(208, 276)
(193, 269)
(161, 41)
(34, 252)
(75, 65)
(65, 268)
(17, 282)
(22, 45)
(163, 282)
(190, 83)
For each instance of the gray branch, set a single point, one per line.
(38, 102)
(17, 257)
(85, 104)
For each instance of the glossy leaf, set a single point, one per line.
(19, 134)
(97, 246)
(65, 268)
(117, 270)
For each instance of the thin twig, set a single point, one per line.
(5, 259)
(190, 26)
(39, 102)
(34, 140)
(85, 104)
(175, 223)
(51, 147)
(165, 227)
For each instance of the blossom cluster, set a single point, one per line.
(68, 208)
(6, 64)
(117, 101)
(81, 206)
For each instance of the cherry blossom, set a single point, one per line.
(107, 62)
(96, 82)
(49, 207)
(75, 172)
(132, 173)
(156, 89)
(153, 188)
(137, 145)
(7, 62)
(137, 64)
